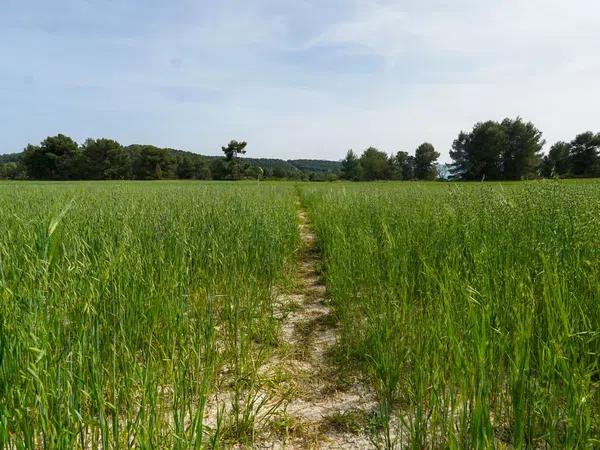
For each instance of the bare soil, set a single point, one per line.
(305, 401)
(323, 409)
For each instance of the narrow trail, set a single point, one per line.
(326, 409)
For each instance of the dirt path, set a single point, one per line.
(324, 409)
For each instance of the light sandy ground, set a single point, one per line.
(304, 402)
(317, 399)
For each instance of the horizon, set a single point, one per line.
(303, 81)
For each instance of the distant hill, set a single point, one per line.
(272, 166)
(285, 167)
(316, 165)
(302, 165)
(10, 157)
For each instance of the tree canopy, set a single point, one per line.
(53, 159)
(506, 150)
(557, 163)
(509, 150)
(374, 164)
(104, 159)
(234, 149)
(60, 158)
(351, 169)
(403, 166)
(424, 162)
(584, 155)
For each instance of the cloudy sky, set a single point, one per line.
(298, 78)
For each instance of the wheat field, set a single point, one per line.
(144, 314)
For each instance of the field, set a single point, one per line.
(211, 315)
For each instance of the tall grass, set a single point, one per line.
(129, 311)
(122, 304)
(473, 309)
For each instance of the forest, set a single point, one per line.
(61, 158)
(506, 150)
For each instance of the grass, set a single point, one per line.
(471, 308)
(125, 306)
(140, 314)
(353, 421)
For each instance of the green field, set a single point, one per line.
(471, 310)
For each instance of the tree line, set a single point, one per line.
(61, 158)
(506, 150)
(511, 150)
(374, 164)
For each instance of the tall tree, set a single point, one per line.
(232, 153)
(105, 159)
(219, 169)
(150, 163)
(584, 155)
(192, 167)
(425, 159)
(12, 170)
(375, 165)
(202, 170)
(185, 167)
(351, 166)
(478, 155)
(522, 155)
(556, 162)
(54, 159)
(460, 167)
(403, 166)
(234, 149)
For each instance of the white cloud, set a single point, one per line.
(497, 35)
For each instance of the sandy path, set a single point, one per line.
(323, 410)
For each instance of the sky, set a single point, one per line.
(296, 78)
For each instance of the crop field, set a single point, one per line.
(299, 315)
(474, 310)
(120, 303)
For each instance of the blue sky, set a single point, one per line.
(296, 79)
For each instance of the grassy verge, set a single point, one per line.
(125, 306)
(472, 308)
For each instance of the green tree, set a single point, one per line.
(374, 165)
(185, 167)
(351, 166)
(234, 149)
(190, 166)
(150, 163)
(219, 169)
(232, 154)
(202, 170)
(478, 155)
(425, 159)
(557, 162)
(584, 155)
(279, 172)
(12, 171)
(546, 167)
(495, 151)
(254, 172)
(104, 159)
(521, 157)
(487, 143)
(403, 166)
(158, 174)
(54, 159)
